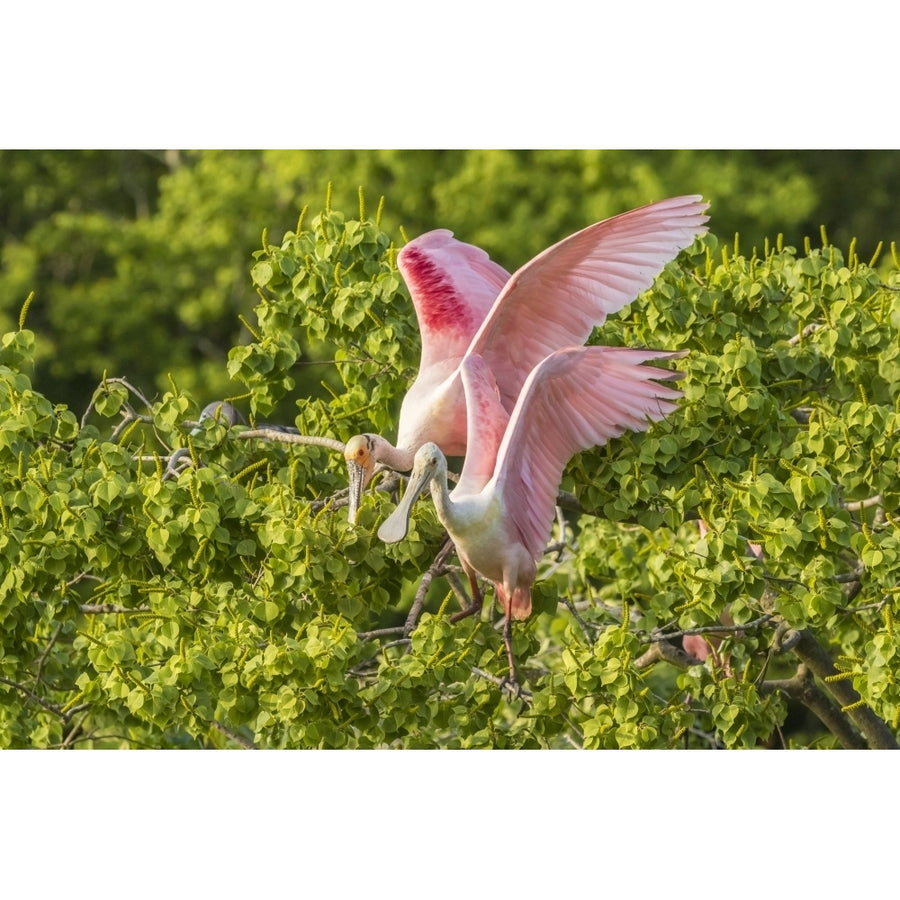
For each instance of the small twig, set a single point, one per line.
(588, 630)
(339, 498)
(74, 732)
(50, 707)
(659, 635)
(451, 573)
(711, 739)
(435, 569)
(178, 462)
(101, 608)
(363, 636)
(81, 576)
(125, 384)
(247, 745)
(38, 675)
(129, 417)
(854, 575)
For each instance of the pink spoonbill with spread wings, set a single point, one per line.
(500, 514)
(468, 305)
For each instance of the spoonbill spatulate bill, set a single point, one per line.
(501, 512)
(468, 305)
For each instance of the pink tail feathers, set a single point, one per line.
(520, 607)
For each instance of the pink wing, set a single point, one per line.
(486, 418)
(557, 298)
(452, 285)
(577, 398)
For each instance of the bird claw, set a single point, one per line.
(510, 686)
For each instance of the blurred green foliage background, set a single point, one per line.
(140, 260)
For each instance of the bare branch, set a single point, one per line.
(93, 609)
(664, 651)
(363, 636)
(42, 659)
(659, 634)
(125, 384)
(285, 437)
(436, 568)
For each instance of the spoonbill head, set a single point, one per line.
(468, 305)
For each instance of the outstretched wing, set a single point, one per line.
(453, 286)
(557, 298)
(577, 398)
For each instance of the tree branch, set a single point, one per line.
(247, 745)
(286, 437)
(802, 687)
(435, 569)
(804, 644)
(50, 707)
(662, 650)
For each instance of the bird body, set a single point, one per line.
(500, 514)
(466, 305)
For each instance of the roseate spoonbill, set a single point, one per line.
(466, 304)
(500, 514)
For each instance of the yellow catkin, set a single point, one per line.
(838, 676)
(73, 702)
(851, 706)
(24, 311)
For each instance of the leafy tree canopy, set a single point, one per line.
(731, 579)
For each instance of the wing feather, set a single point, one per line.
(577, 398)
(557, 298)
(453, 286)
